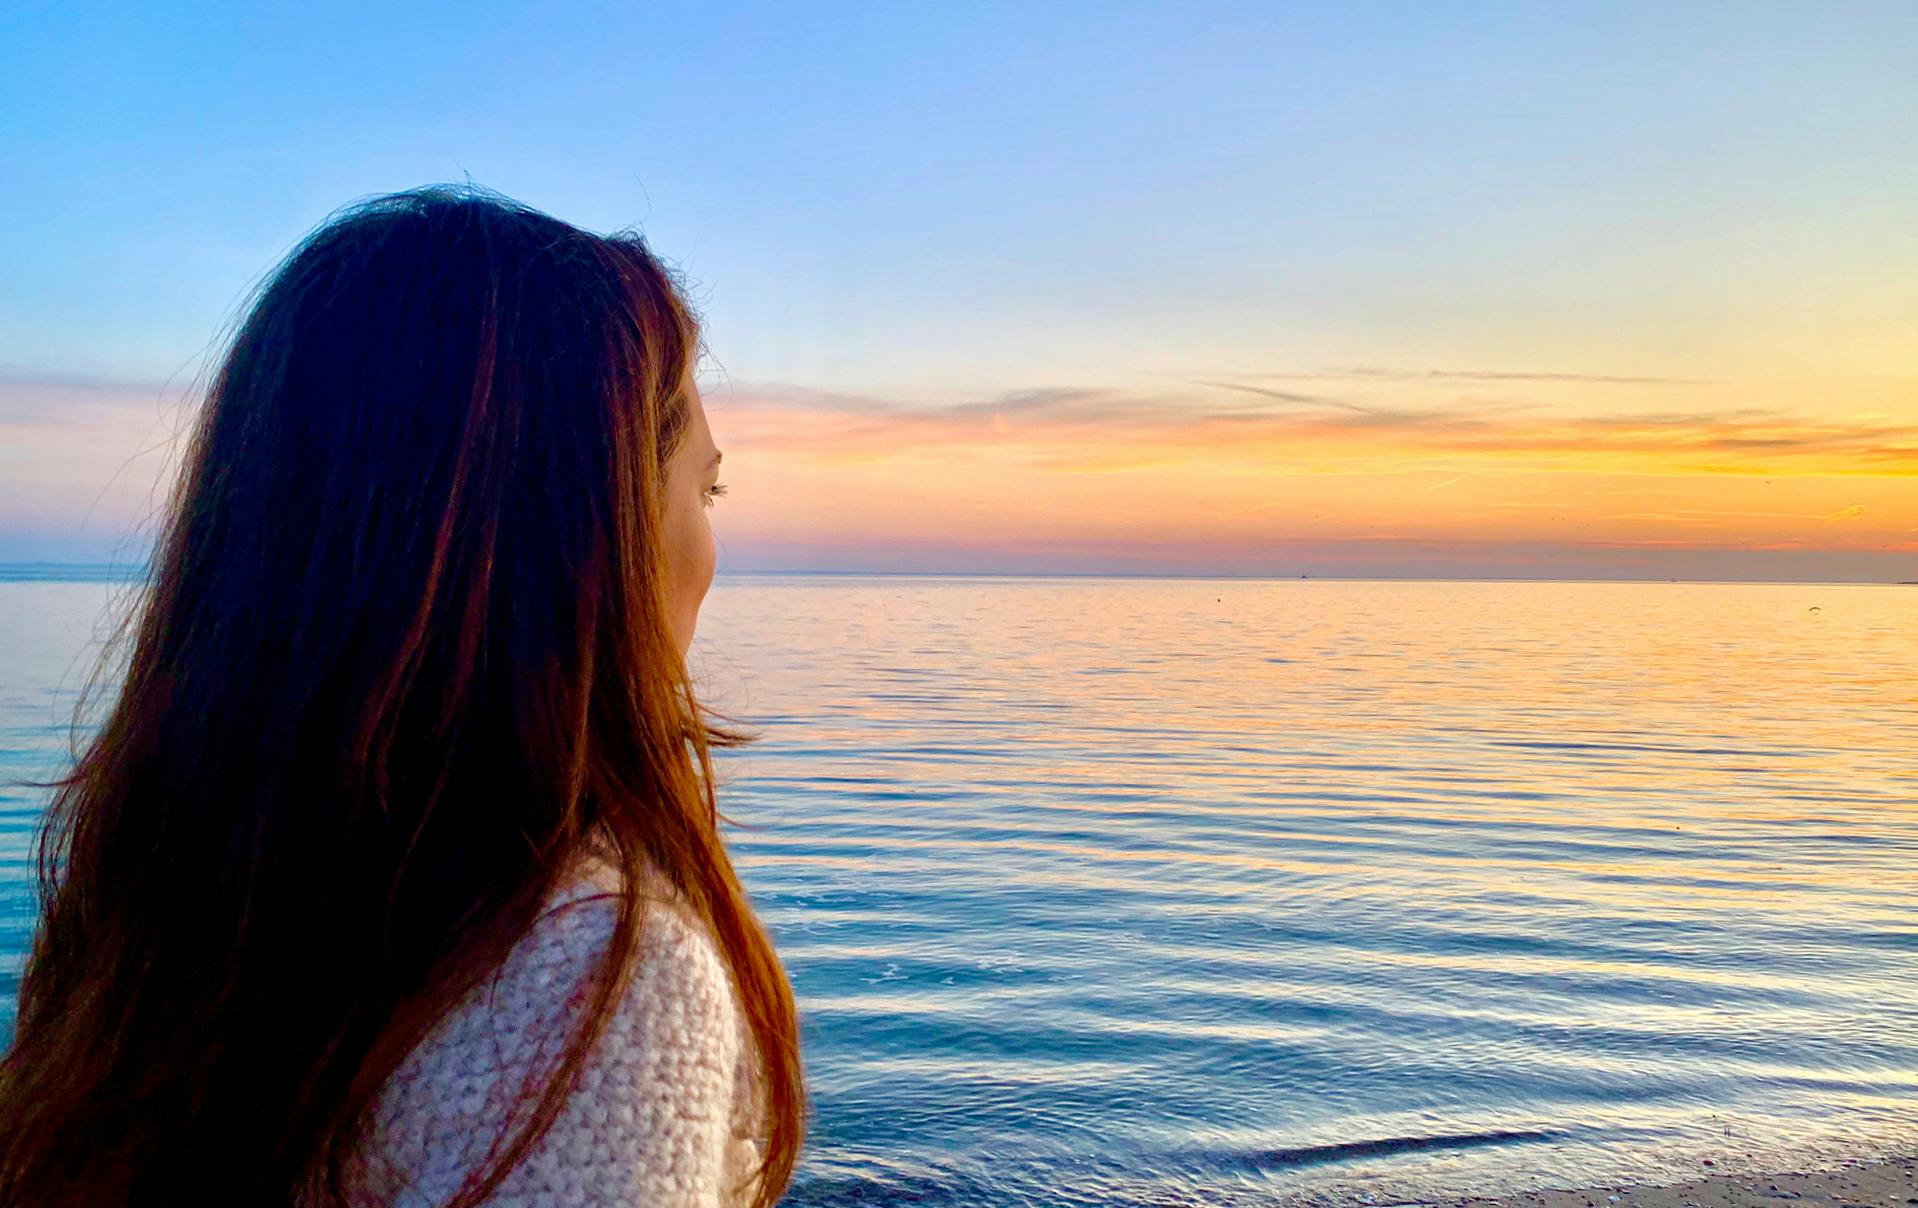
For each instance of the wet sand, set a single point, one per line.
(1886, 1183)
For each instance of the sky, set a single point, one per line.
(1420, 290)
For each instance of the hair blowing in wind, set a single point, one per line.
(402, 652)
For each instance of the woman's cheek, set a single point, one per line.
(709, 556)
(682, 540)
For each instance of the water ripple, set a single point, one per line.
(1180, 893)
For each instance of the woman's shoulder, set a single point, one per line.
(650, 1117)
(576, 923)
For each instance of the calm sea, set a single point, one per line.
(1169, 892)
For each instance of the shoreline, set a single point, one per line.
(1861, 1183)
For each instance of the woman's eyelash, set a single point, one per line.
(714, 491)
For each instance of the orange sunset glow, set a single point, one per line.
(1351, 471)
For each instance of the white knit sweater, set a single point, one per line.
(667, 1111)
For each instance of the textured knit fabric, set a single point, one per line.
(667, 1108)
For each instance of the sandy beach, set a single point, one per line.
(1887, 1182)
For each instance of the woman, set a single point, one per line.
(394, 875)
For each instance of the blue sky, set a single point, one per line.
(934, 204)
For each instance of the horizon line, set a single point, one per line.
(118, 571)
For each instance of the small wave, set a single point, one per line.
(1319, 1155)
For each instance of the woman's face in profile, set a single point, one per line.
(691, 473)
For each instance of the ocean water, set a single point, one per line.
(1181, 892)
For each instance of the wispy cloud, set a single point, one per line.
(1315, 400)
(47, 399)
(1376, 373)
(1090, 428)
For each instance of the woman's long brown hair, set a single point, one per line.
(401, 655)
